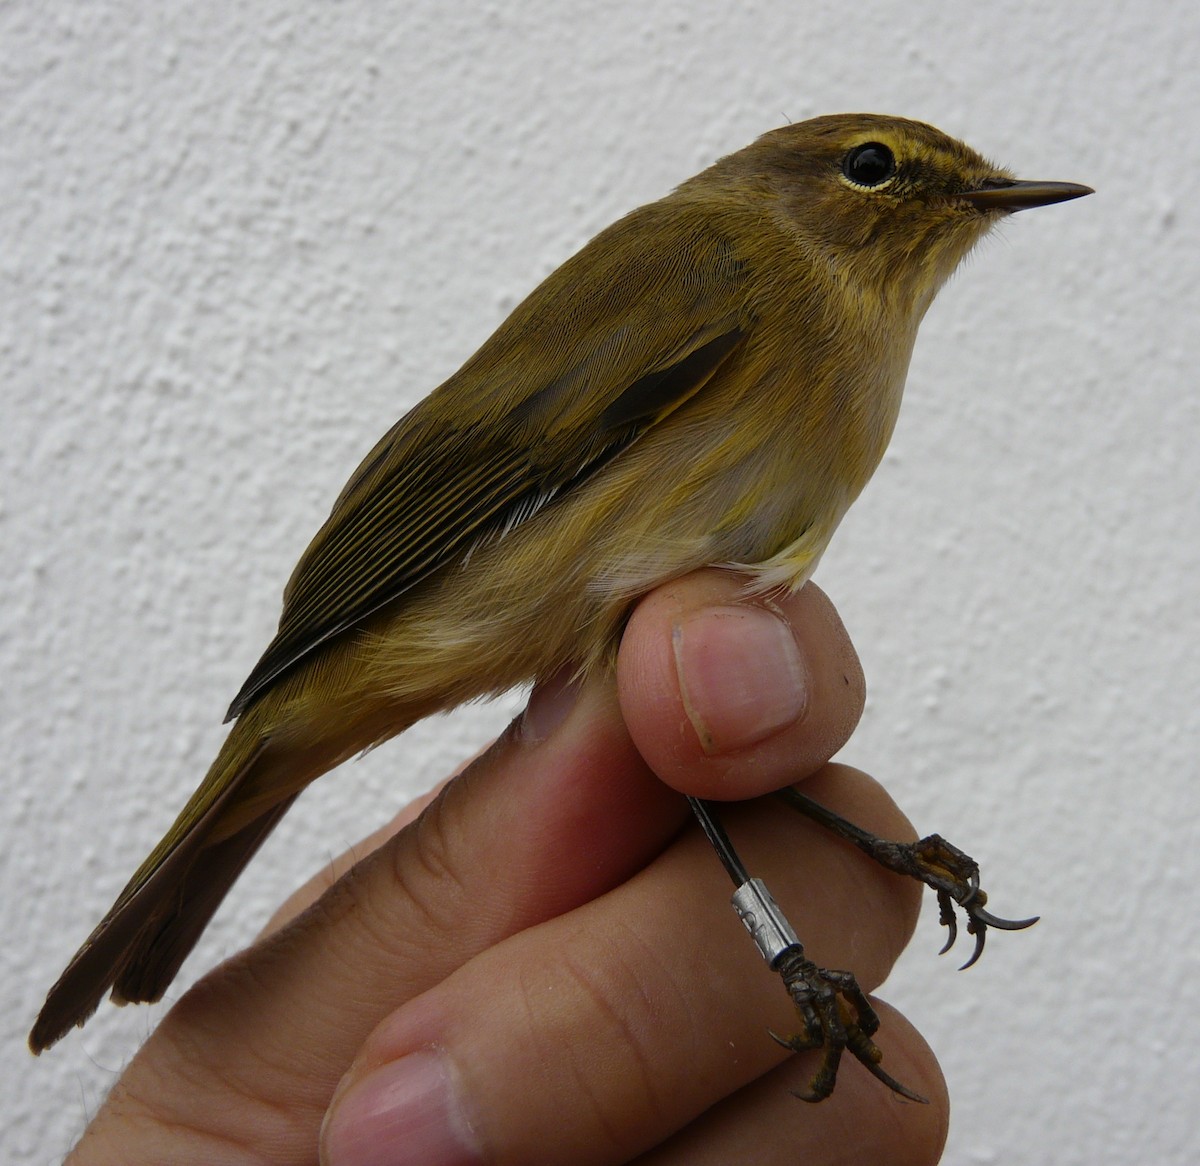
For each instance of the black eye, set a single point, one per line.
(869, 164)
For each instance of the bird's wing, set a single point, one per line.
(612, 342)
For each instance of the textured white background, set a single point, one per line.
(236, 241)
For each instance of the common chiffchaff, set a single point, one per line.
(711, 380)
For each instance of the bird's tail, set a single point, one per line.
(140, 944)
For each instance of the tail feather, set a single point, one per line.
(159, 951)
(139, 945)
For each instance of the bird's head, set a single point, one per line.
(894, 203)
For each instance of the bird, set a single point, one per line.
(711, 380)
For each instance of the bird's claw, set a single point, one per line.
(835, 1016)
(954, 877)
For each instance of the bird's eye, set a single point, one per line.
(869, 164)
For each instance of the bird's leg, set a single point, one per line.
(834, 1011)
(953, 875)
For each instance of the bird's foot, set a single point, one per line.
(954, 878)
(949, 872)
(835, 1016)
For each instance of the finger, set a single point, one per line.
(763, 1123)
(595, 1035)
(558, 811)
(730, 696)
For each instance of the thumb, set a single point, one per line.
(730, 696)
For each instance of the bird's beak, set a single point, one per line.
(1004, 194)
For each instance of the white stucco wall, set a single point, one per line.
(236, 241)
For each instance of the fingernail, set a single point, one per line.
(549, 705)
(741, 675)
(406, 1113)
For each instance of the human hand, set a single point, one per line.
(543, 966)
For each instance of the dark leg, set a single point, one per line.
(953, 875)
(834, 1010)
